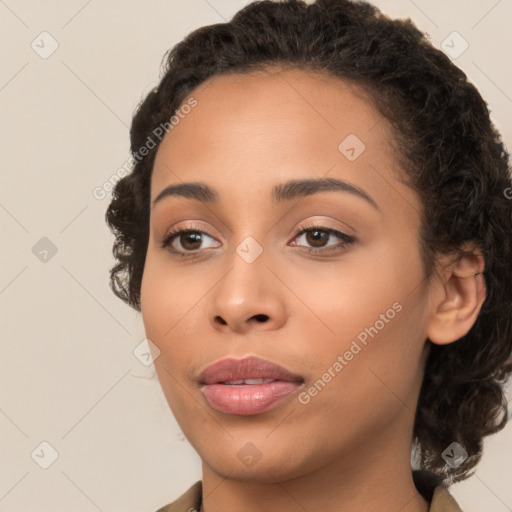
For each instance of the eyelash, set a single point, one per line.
(346, 240)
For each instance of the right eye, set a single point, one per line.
(189, 239)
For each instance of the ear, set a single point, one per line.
(457, 296)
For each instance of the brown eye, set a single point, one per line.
(317, 237)
(187, 242)
(190, 240)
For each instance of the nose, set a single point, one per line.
(248, 298)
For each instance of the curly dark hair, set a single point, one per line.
(449, 151)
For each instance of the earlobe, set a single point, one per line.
(460, 293)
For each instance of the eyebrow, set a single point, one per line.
(287, 191)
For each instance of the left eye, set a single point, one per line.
(317, 237)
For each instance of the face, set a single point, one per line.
(323, 278)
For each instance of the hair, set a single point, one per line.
(445, 143)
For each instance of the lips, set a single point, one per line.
(247, 386)
(228, 370)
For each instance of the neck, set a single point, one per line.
(365, 480)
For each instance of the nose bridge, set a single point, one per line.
(248, 295)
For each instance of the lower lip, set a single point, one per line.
(248, 398)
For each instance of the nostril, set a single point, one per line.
(261, 318)
(220, 320)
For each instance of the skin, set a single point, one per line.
(349, 447)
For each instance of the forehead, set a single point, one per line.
(257, 129)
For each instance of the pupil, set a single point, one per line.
(316, 237)
(195, 239)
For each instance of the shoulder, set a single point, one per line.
(443, 501)
(189, 501)
(430, 486)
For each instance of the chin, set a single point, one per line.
(244, 461)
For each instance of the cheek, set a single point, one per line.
(170, 295)
(369, 358)
(377, 360)
(343, 299)
(165, 309)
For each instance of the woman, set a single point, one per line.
(317, 232)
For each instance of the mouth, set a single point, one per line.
(248, 382)
(247, 386)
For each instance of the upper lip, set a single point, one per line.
(251, 367)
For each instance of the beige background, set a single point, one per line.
(68, 374)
